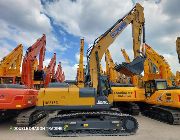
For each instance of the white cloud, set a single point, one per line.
(92, 18)
(70, 72)
(24, 15)
(23, 22)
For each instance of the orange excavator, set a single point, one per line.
(32, 72)
(19, 100)
(10, 66)
(59, 75)
(50, 71)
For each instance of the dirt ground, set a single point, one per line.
(148, 130)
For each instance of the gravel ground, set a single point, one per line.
(148, 130)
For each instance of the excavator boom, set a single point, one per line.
(110, 71)
(59, 76)
(50, 71)
(178, 47)
(156, 67)
(126, 57)
(80, 70)
(30, 60)
(101, 44)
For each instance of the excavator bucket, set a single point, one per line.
(135, 67)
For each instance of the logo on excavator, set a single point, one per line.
(118, 29)
(102, 102)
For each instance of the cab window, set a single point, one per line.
(161, 85)
(148, 87)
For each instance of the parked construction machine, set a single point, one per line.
(161, 97)
(32, 69)
(156, 67)
(114, 76)
(19, 100)
(178, 47)
(49, 75)
(59, 75)
(136, 80)
(125, 94)
(177, 78)
(178, 52)
(10, 66)
(80, 69)
(87, 110)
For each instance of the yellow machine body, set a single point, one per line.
(169, 98)
(68, 96)
(158, 93)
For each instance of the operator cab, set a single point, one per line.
(105, 85)
(154, 85)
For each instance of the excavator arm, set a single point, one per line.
(126, 56)
(110, 71)
(11, 64)
(80, 70)
(50, 71)
(101, 44)
(29, 71)
(156, 67)
(178, 47)
(59, 76)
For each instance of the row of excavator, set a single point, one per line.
(98, 102)
(20, 84)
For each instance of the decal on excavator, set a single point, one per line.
(124, 94)
(118, 29)
(51, 102)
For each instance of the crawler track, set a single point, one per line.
(163, 114)
(7, 115)
(103, 123)
(128, 108)
(30, 117)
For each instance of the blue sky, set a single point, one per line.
(65, 21)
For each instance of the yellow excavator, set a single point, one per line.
(177, 78)
(178, 47)
(80, 69)
(88, 110)
(114, 76)
(10, 66)
(156, 67)
(161, 97)
(126, 56)
(136, 80)
(125, 94)
(178, 52)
